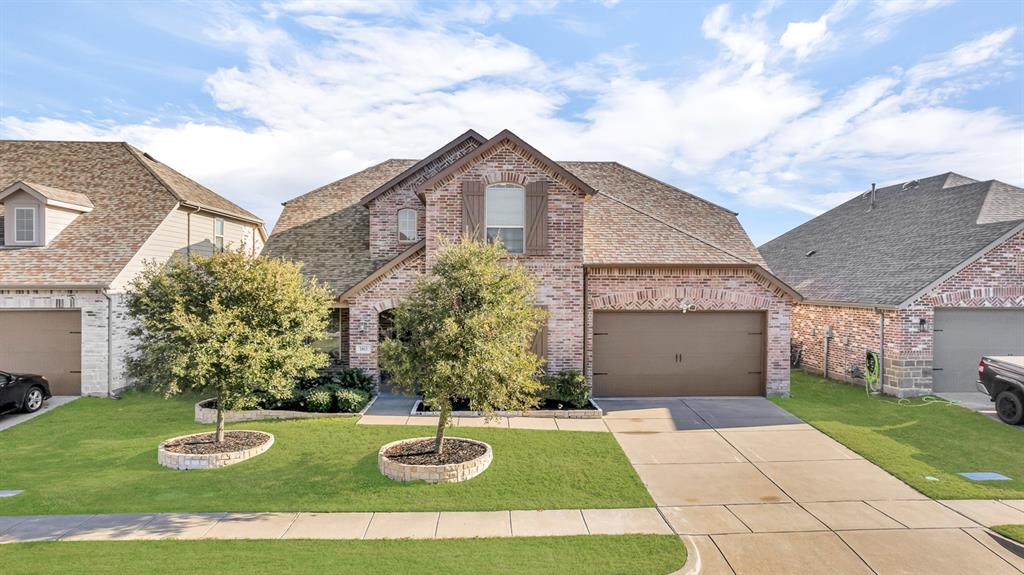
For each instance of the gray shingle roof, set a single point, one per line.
(633, 219)
(886, 254)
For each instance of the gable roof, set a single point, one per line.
(328, 229)
(499, 139)
(129, 201)
(50, 195)
(631, 219)
(884, 255)
(459, 141)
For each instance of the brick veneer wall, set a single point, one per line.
(560, 271)
(384, 242)
(365, 307)
(699, 289)
(994, 280)
(93, 307)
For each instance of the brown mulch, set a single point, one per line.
(204, 444)
(421, 452)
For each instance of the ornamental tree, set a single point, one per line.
(465, 332)
(230, 324)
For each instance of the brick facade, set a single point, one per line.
(697, 289)
(994, 280)
(93, 308)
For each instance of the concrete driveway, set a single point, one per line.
(12, 419)
(754, 490)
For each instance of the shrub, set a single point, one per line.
(567, 386)
(355, 378)
(350, 400)
(319, 400)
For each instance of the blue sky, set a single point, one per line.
(776, 110)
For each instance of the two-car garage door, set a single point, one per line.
(964, 335)
(44, 342)
(664, 354)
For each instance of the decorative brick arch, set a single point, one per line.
(504, 177)
(681, 298)
(981, 297)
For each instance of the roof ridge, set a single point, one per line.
(692, 195)
(135, 154)
(343, 178)
(678, 229)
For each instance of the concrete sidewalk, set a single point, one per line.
(753, 490)
(391, 525)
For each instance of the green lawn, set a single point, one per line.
(99, 456)
(625, 554)
(1015, 532)
(914, 441)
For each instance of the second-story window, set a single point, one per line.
(407, 225)
(503, 213)
(25, 225)
(218, 234)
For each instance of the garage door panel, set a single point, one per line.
(963, 335)
(675, 353)
(46, 342)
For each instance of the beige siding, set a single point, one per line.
(170, 238)
(21, 199)
(56, 220)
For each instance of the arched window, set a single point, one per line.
(407, 228)
(504, 207)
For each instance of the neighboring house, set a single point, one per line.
(650, 291)
(77, 222)
(940, 260)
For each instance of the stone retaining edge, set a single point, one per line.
(208, 415)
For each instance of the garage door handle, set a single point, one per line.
(755, 333)
(600, 373)
(753, 373)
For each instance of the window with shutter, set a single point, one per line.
(473, 209)
(504, 207)
(539, 345)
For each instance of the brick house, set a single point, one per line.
(77, 222)
(650, 290)
(940, 261)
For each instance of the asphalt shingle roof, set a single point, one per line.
(130, 194)
(633, 219)
(910, 238)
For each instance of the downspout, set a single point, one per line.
(828, 336)
(881, 351)
(110, 343)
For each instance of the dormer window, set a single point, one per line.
(503, 213)
(408, 225)
(25, 225)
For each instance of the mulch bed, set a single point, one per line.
(421, 452)
(460, 404)
(204, 444)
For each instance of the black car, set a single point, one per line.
(22, 392)
(1002, 379)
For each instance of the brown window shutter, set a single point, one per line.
(536, 218)
(473, 209)
(539, 345)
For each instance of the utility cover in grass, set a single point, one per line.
(984, 476)
(10, 492)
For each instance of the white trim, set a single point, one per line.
(415, 226)
(35, 224)
(522, 211)
(959, 267)
(218, 220)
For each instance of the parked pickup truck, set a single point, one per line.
(1002, 378)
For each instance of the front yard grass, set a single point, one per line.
(1015, 532)
(99, 456)
(914, 441)
(625, 554)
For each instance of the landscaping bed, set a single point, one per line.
(206, 443)
(584, 555)
(421, 452)
(96, 456)
(546, 408)
(206, 412)
(924, 444)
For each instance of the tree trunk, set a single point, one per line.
(220, 419)
(442, 422)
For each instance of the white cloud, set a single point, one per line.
(804, 38)
(298, 115)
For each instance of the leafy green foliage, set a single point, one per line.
(234, 325)
(352, 377)
(465, 332)
(349, 400)
(320, 400)
(568, 386)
